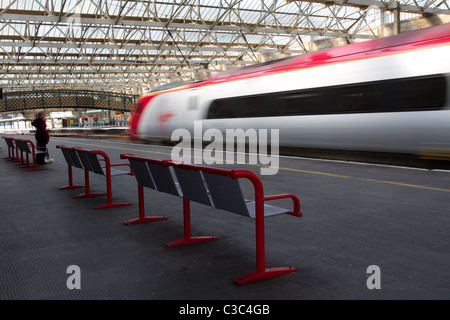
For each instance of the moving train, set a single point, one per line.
(385, 95)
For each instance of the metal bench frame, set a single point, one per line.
(11, 149)
(88, 161)
(218, 188)
(23, 146)
(72, 161)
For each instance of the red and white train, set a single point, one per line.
(385, 95)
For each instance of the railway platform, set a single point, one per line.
(369, 231)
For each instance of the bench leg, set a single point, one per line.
(16, 157)
(261, 271)
(264, 274)
(26, 164)
(110, 203)
(11, 155)
(20, 161)
(34, 166)
(37, 169)
(188, 239)
(87, 193)
(142, 218)
(71, 185)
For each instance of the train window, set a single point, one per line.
(243, 107)
(221, 109)
(396, 95)
(298, 103)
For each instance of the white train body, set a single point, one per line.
(352, 74)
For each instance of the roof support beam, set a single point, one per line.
(382, 4)
(96, 42)
(173, 25)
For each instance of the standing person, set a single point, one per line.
(42, 137)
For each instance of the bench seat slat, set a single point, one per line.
(224, 188)
(116, 172)
(75, 158)
(84, 160)
(142, 174)
(95, 163)
(163, 179)
(68, 157)
(193, 187)
(269, 211)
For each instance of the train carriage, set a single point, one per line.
(384, 95)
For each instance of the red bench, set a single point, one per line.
(12, 156)
(214, 187)
(26, 147)
(88, 161)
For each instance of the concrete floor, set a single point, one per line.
(355, 216)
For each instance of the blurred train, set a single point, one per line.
(385, 95)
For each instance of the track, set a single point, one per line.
(396, 159)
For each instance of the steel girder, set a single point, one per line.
(133, 45)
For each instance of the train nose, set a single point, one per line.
(132, 134)
(139, 107)
(132, 131)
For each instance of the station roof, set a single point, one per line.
(132, 46)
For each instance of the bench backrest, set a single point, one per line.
(71, 156)
(155, 175)
(23, 145)
(220, 191)
(9, 142)
(198, 184)
(19, 144)
(89, 161)
(193, 186)
(226, 193)
(83, 159)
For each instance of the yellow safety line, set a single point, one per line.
(288, 169)
(367, 179)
